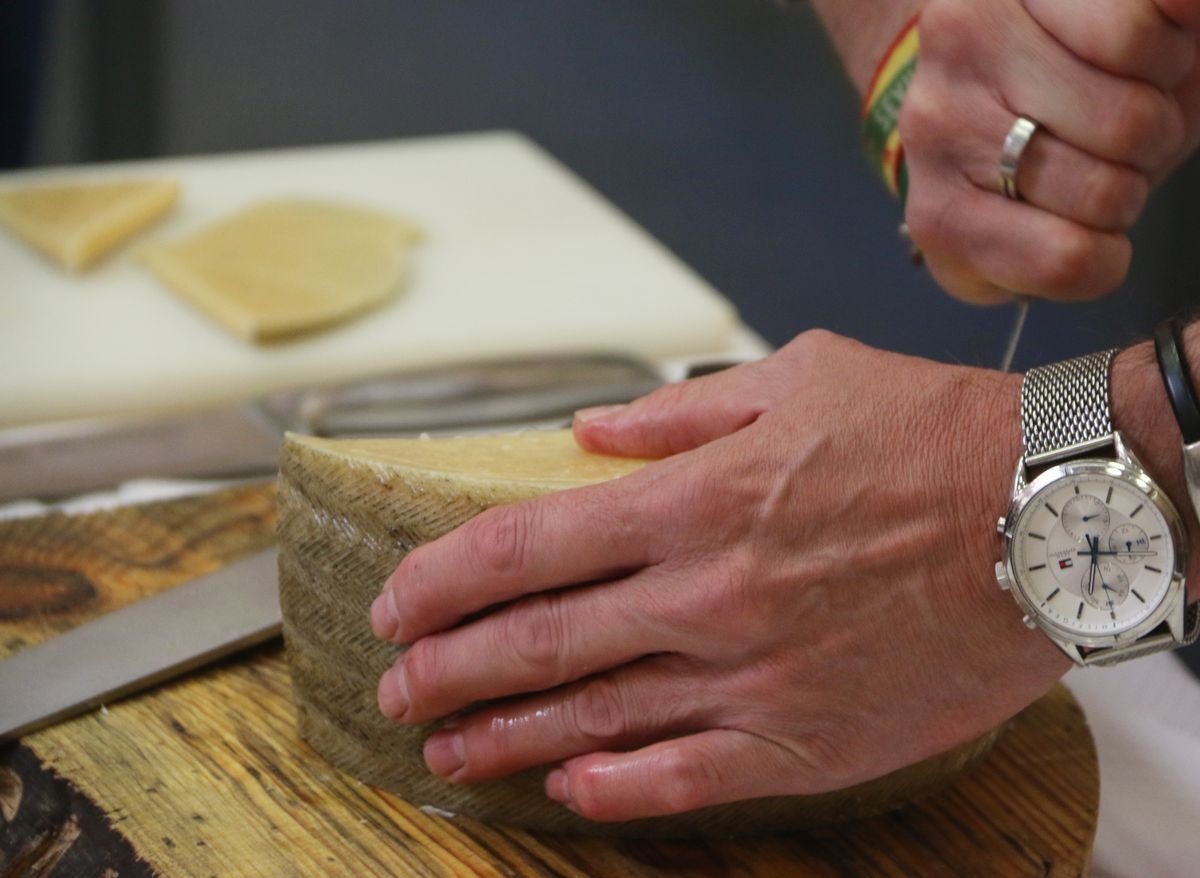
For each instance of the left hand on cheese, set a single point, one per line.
(796, 598)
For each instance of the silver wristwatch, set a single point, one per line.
(1094, 550)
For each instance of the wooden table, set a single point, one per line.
(207, 776)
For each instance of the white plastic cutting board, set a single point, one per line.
(520, 256)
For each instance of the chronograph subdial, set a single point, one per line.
(1085, 515)
(1130, 544)
(1106, 587)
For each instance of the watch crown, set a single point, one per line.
(1001, 523)
(1028, 620)
(1002, 576)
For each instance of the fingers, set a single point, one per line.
(1053, 175)
(535, 644)
(670, 777)
(631, 706)
(1072, 184)
(565, 538)
(1120, 120)
(1128, 38)
(677, 417)
(977, 244)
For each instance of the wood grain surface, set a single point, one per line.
(207, 776)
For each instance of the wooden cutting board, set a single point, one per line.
(207, 776)
(520, 257)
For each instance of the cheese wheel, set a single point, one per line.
(285, 267)
(349, 510)
(77, 224)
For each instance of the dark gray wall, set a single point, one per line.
(723, 126)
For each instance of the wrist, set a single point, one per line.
(861, 32)
(1142, 412)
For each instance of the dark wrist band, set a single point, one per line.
(1168, 349)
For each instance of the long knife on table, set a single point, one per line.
(176, 630)
(51, 461)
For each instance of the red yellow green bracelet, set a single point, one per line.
(881, 109)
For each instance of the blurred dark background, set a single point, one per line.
(725, 127)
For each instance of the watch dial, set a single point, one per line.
(1093, 554)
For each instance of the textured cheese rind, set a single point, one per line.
(349, 510)
(77, 224)
(289, 266)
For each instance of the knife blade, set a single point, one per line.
(48, 462)
(145, 643)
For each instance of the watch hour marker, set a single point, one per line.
(1036, 536)
(1108, 496)
(1050, 596)
(1079, 613)
(1156, 537)
(1153, 569)
(1136, 511)
(1076, 489)
(1037, 567)
(1053, 511)
(1134, 592)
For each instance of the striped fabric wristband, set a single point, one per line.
(881, 109)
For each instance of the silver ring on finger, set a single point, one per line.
(1015, 143)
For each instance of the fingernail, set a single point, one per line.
(445, 753)
(596, 412)
(558, 786)
(385, 615)
(393, 691)
(382, 623)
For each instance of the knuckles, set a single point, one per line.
(598, 714)
(497, 541)
(1072, 266)
(689, 779)
(1141, 125)
(534, 631)
(1113, 195)
(950, 32)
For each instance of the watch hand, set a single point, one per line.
(1095, 549)
(1131, 554)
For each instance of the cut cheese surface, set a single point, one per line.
(538, 458)
(286, 267)
(77, 224)
(349, 511)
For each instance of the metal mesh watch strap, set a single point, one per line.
(1152, 644)
(1066, 404)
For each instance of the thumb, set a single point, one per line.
(676, 417)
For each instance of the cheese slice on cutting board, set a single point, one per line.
(285, 267)
(77, 224)
(349, 511)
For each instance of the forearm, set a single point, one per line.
(862, 30)
(1143, 414)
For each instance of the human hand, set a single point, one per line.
(1116, 88)
(796, 598)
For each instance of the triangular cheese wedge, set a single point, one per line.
(280, 268)
(77, 224)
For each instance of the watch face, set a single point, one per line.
(1092, 553)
